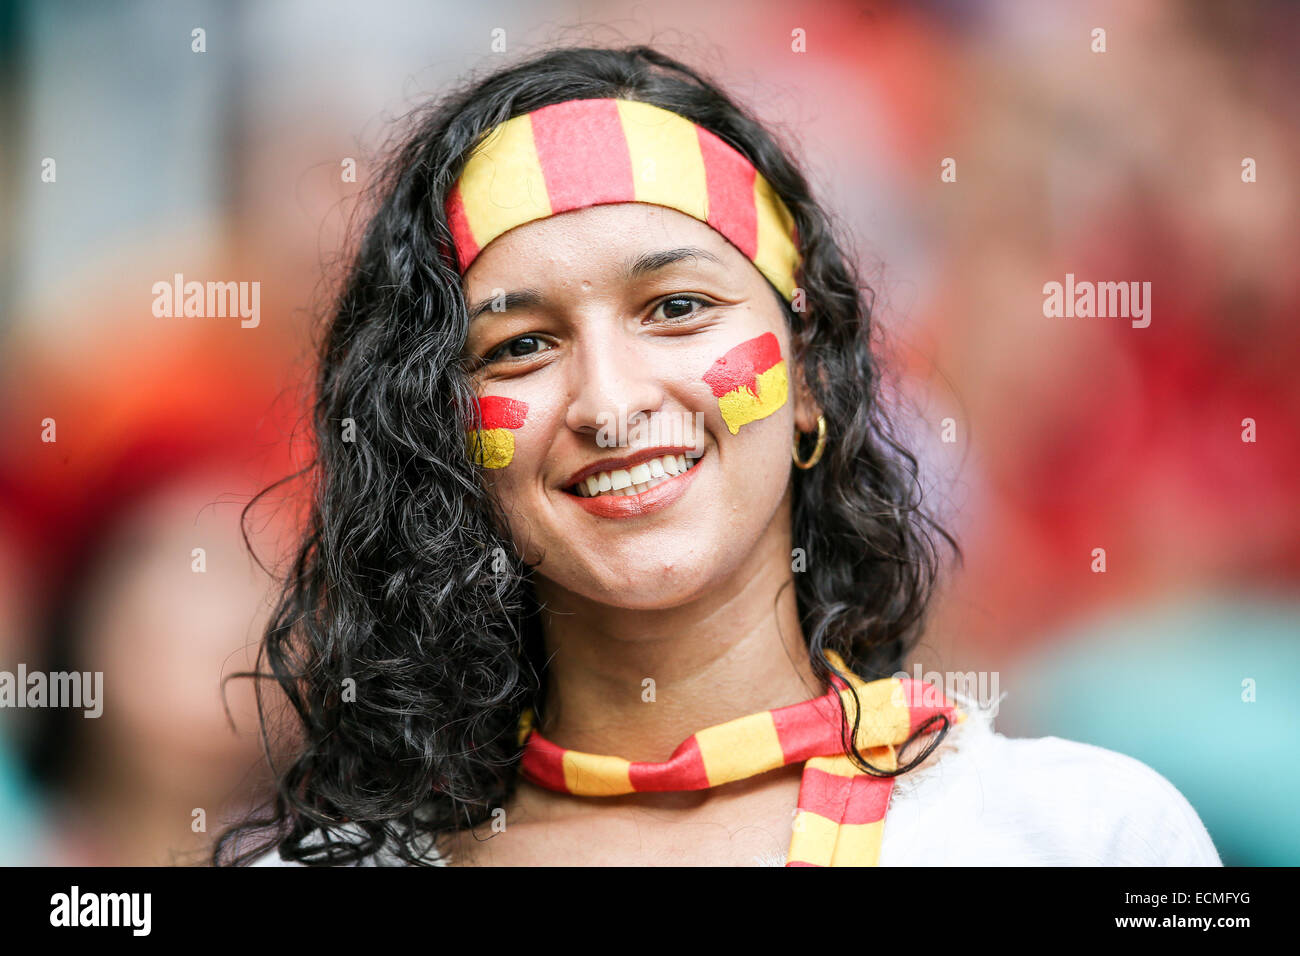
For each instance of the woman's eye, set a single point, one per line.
(679, 307)
(521, 347)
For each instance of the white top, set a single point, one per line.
(992, 800)
(982, 799)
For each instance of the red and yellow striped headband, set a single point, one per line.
(591, 152)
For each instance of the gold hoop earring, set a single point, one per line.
(817, 452)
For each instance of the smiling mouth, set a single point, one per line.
(628, 482)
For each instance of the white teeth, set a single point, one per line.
(634, 480)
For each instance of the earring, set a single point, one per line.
(817, 452)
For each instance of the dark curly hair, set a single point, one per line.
(406, 636)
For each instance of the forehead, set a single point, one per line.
(596, 241)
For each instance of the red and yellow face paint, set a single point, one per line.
(493, 445)
(749, 381)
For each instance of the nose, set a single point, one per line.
(611, 382)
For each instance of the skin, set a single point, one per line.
(697, 596)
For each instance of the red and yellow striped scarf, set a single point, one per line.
(840, 816)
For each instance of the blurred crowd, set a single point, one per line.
(133, 441)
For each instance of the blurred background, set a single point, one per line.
(1043, 439)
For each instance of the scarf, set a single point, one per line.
(840, 817)
(591, 152)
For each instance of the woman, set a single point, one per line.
(612, 553)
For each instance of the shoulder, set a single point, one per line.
(987, 799)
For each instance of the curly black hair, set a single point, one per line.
(406, 635)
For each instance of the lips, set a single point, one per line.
(627, 462)
(660, 490)
(635, 478)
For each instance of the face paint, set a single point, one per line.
(749, 381)
(493, 444)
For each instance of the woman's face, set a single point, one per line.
(612, 337)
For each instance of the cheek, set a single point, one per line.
(513, 446)
(494, 445)
(749, 381)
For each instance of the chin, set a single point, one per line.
(649, 588)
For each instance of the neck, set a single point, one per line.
(735, 650)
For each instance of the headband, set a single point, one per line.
(590, 152)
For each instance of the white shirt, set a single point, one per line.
(982, 799)
(991, 800)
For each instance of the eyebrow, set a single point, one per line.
(636, 268)
(653, 261)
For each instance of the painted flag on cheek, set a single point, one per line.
(749, 381)
(493, 446)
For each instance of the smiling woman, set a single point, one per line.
(511, 640)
